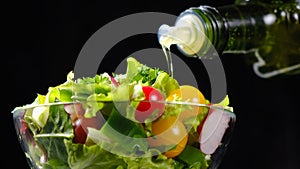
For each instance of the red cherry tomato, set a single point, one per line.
(81, 123)
(81, 126)
(150, 105)
(79, 133)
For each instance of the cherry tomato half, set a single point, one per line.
(190, 94)
(81, 123)
(169, 132)
(150, 105)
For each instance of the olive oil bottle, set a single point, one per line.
(269, 29)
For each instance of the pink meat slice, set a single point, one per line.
(213, 130)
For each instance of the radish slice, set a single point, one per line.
(114, 81)
(74, 110)
(213, 130)
(69, 108)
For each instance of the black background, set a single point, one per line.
(42, 39)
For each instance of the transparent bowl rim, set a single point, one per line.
(214, 106)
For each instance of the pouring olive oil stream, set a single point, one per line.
(269, 30)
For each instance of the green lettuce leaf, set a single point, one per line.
(121, 133)
(52, 136)
(193, 157)
(155, 162)
(81, 156)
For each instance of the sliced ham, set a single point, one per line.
(213, 130)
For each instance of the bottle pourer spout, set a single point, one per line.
(187, 34)
(168, 35)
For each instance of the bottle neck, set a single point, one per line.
(197, 32)
(207, 35)
(215, 29)
(204, 30)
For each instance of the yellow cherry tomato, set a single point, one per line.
(171, 133)
(188, 94)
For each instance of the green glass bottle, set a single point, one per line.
(270, 29)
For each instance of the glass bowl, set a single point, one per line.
(78, 135)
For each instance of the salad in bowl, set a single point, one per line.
(141, 119)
